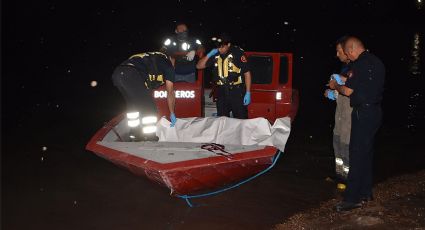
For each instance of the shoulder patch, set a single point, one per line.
(243, 58)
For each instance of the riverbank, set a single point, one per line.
(399, 204)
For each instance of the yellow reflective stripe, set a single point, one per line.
(220, 66)
(226, 67)
(234, 68)
(159, 53)
(142, 55)
(239, 81)
(156, 78)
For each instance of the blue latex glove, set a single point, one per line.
(212, 53)
(173, 119)
(338, 79)
(331, 95)
(247, 98)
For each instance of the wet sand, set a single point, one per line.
(66, 187)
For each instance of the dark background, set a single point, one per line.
(52, 50)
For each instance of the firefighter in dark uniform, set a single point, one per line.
(232, 77)
(135, 78)
(183, 50)
(365, 88)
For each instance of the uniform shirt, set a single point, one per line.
(239, 60)
(367, 80)
(144, 64)
(172, 46)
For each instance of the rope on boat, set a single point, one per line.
(188, 197)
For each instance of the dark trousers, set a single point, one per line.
(131, 83)
(230, 98)
(365, 123)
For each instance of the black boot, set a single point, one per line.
(134, 135)
(366, 199)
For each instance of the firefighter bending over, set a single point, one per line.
(135, 78)
(231, 75)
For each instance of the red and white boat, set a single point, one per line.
(206, 153)
(187, 167)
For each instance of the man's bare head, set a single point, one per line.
(353, 47)
(181, 27)
(341, 55)
(340, 49)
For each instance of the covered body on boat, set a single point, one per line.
(198, 154)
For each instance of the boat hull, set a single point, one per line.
(188, 176)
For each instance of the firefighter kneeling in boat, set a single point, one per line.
(230, 63)
(135, 78)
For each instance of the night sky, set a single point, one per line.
(53, 50)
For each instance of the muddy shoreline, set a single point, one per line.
(399, 204)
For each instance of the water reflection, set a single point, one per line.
(414, 66)
(414, 114)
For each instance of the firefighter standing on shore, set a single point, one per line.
(231, 75)
(135, 78)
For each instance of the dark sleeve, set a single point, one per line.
(170, 50)
(167, 69)
(138, 62)
(210, 61)
(242, 61)
(380, 69)
(359, 71)
(352, 82)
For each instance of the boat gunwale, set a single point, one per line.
(93, 145)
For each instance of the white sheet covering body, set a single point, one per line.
(225, 130)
